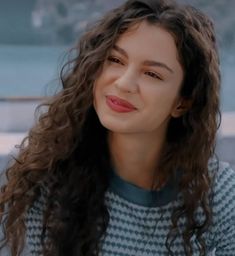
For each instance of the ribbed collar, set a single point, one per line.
(141, 196)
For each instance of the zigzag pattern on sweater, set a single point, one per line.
(136, 230)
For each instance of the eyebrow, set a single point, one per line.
(146, 62)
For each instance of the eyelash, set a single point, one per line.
(114, 59)
(149, 73)
(153, 75)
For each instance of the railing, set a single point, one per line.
(227, 127)
(17, 113)
(17, 117)
(21, 99)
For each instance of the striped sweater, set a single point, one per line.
(140, 218)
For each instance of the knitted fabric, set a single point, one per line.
(140, 218)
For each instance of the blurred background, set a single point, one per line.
(35, 36)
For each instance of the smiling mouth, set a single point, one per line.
(119, 105)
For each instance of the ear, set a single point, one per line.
(181, 107)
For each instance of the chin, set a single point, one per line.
(115, 126)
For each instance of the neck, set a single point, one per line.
(135, 158)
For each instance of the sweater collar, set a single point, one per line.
(141, 196)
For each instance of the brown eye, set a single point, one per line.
(114, 59)
(153, 75)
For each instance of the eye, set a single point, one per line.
(115, 60)
(153, 75)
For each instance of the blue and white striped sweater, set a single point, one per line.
(139, 226)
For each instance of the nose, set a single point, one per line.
(127, 81)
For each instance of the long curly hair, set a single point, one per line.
(66, 152)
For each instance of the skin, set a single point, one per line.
(136, 138)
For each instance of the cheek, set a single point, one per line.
(159, 100)
(96, 92)
(97, 85)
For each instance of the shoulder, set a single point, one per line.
(222, 191)
(223, 179)
(221, 235)
(34, 223)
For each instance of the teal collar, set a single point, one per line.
(141, 196)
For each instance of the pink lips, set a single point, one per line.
(119, 105)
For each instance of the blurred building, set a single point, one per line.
(35, 34)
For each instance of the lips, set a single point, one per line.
(119, 105)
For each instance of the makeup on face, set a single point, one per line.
(119, 105)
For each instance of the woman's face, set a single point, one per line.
(138, 88)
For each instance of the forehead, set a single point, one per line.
(149, 41)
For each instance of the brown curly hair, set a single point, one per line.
(66, 150)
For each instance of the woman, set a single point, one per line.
(123, 163)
